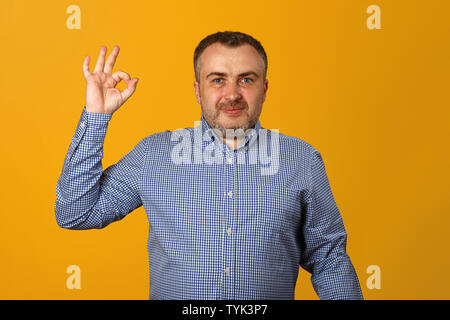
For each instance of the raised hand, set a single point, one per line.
(102, 96)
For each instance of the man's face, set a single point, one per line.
(232, 90)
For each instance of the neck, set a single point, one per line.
(233, 142)
(232, 137)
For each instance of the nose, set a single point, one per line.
(232, 92)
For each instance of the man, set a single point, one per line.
(232, 229)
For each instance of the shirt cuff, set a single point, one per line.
(94, 125)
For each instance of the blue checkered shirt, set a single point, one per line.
(232, 229)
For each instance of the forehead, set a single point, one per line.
(219, 58)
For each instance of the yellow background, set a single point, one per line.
(373, 102)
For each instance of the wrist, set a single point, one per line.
(93, 110)
(96, 117)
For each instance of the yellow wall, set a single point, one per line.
(373, 102)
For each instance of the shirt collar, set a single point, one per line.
(210, 136)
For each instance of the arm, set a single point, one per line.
(86, 197)
(324, 241)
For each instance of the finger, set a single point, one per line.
(100, 60)
(86, 71)
(129, 90)
(111, 59)
(121, 75)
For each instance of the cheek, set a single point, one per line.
(210, 98)
(252, 100)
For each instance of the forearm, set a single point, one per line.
(78, 187)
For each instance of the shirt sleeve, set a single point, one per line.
(86, 196)
(324, 241)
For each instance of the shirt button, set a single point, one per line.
(230, 160)
(227, 270)
(230, 194)
(82, 124)
(229, 231)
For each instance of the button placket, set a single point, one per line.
(228, 260)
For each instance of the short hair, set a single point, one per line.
(229, 39)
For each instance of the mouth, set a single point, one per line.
(232, 111)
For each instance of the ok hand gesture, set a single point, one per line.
(102, 96)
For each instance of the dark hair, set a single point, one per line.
(229, 39)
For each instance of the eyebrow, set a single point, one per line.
(240, 75)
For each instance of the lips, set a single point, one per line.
(232, 111)
(232, 108)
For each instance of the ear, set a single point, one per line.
(266, 86)
(197, 91)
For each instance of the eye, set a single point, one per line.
(217, 79)
(250, 80)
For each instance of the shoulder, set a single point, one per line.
(296, 146)
(299, 154)
(159, 145)
(157, 142)
(158, 137)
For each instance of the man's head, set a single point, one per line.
(230, 72)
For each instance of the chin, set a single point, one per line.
(236, 124)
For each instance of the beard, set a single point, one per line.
(232, 130)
